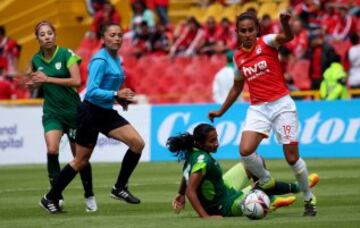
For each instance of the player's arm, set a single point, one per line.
(287, 34)
(194, 183)
(233, 94)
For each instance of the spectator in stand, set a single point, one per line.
(266, 25)
(6, 88)
(10, 52)
(106, 15)
(224, 80)
(354, 8)
(141, 41)
(209, 43)
(320, 54)
(141, 13)
(310, 14)
(161, 7)
(299, 45)
(94, 6)
(160, 40)
(329, 19)
(346, 24)
(333, 86)
(285, 62)
(190, 39)
(354, 58)
(227, 38)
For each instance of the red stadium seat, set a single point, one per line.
(341, 47)
(300, 74)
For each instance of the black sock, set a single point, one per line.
(282, 188)
(53, 167)
(67, 174)
(131, 159)
(86, 179)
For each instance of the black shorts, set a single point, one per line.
(92, 119)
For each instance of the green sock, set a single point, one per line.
(282, 188)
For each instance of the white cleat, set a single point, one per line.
(90, 203)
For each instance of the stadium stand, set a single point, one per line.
(154, 75)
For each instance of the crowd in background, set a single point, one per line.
(325, 31)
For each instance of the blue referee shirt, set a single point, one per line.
(105, 77)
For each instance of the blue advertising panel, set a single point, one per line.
(327, 129)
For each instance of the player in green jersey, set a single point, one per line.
(211, 193)
(55, 70)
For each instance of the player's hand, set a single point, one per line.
(285, 17)
(213, 114)
(126, 94)
(178, 203)
(39, 77)
(31, 85)
(125, 97)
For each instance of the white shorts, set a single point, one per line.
(279, 115)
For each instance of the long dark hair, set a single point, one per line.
(182, 144)
(248, 15)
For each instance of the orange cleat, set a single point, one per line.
(278, 202)
(313, 179)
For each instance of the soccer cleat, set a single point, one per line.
(313, 179)
(267, 185)
(278, 202)
(90, 203)
(124, 194)
(310, 207)
(49, 205)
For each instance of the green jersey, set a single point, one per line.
(59, 101)
(214, 195)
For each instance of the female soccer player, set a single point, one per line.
(96, 115)
(210, 193)
(271, 106)
(55, 69)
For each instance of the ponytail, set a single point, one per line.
(181, 145)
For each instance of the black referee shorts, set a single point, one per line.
(92, 119)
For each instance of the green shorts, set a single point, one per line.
(51, 123)
(236, 179)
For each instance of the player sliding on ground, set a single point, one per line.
(211, 193)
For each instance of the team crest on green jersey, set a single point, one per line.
(58, 65)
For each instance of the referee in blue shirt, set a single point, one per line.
(95, 115)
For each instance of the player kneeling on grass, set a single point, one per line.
(211, 193)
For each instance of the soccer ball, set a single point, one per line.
(256, 204)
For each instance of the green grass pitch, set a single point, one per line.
(21, 187)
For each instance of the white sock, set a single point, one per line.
(301, 174)
(254, 164)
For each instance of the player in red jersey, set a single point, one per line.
(271, 106)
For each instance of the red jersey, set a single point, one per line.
(261, 69)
